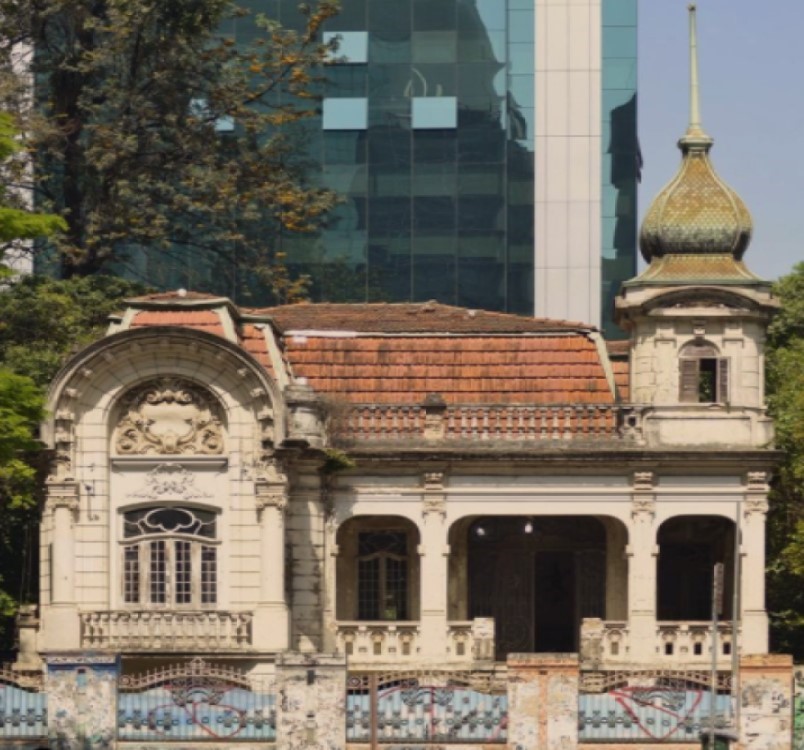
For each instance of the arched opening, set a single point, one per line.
(689, 548)
(377, 569)
(704, 374)
(537, 576)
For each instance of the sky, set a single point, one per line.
(751, 60)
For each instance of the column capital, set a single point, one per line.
(755, 505)
(434, 498)
(271, 486)
(63, 494)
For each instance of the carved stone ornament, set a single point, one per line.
(644, 481)
(169, 481)
(643, 506)
(169, 416)
(434, 504)
(757, 481)
(434, 481)
(755, 505)
(271, 499)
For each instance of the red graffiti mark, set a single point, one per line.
(640, 697)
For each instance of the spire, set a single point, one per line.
(696, 215)
(695, 136)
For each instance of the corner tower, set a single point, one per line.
(697, 316)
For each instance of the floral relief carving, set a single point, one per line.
(169, 481)
(169, 416)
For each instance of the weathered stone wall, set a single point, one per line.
(766, 702)
(82, 701)
(542, 701)
(311, 702)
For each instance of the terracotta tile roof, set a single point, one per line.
(201, 320)
(422, 317)
(252, 339)
(463, 369)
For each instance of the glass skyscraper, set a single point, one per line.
(485, 150)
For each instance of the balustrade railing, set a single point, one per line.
(166, 631)
(608, 642)
(379, 642)
(555, 422)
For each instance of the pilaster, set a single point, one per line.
(271, 628)
(752, 578)
(641, 552)
(543, 701)
(434, 564)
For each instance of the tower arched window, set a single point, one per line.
(170, 557)
(704, 375)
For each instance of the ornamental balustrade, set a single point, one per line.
(196, 701)
(555, 422)
(608, 642)
(426, 707)
(152, 630)
(652, 706)
(382, 641)
(23, 705)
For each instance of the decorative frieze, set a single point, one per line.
(169, 416)
(169, 481)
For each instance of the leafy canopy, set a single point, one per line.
(785, 380)
(153, 130)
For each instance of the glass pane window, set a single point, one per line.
(176, 568)
(158, 573)
(382, 576)
(131, 574)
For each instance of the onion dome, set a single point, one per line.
(696, 215)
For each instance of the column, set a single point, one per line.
(312, 710)
(61, 624)
(642, 552)
(331, 553)
(765, 696)
(435, 556)
(754, 620)
(82, 700)
(271, 628)
(543, 701)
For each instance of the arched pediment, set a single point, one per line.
(163, 391)
(169, 416)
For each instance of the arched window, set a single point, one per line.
(170, 557)
(704, 375)
(382, 575)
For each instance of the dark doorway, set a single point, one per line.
(537, 577)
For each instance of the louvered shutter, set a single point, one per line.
(688, 391)
(723, 380)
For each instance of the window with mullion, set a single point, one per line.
(172, 570)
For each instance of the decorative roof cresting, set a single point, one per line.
(696, 213)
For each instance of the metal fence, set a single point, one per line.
(195, 701)
(23, 706)
(654, 706)
(426, 707)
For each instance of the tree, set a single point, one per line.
(17, 222)
(785, 374)
(42, 322)
(152, 129)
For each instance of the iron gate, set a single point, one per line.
(195, 701)
(426, 707)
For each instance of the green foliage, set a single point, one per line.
(17, 223)
(43, 321)
(785, 379)
(133, 95)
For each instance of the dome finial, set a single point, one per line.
(695, 136)
(695, 105)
